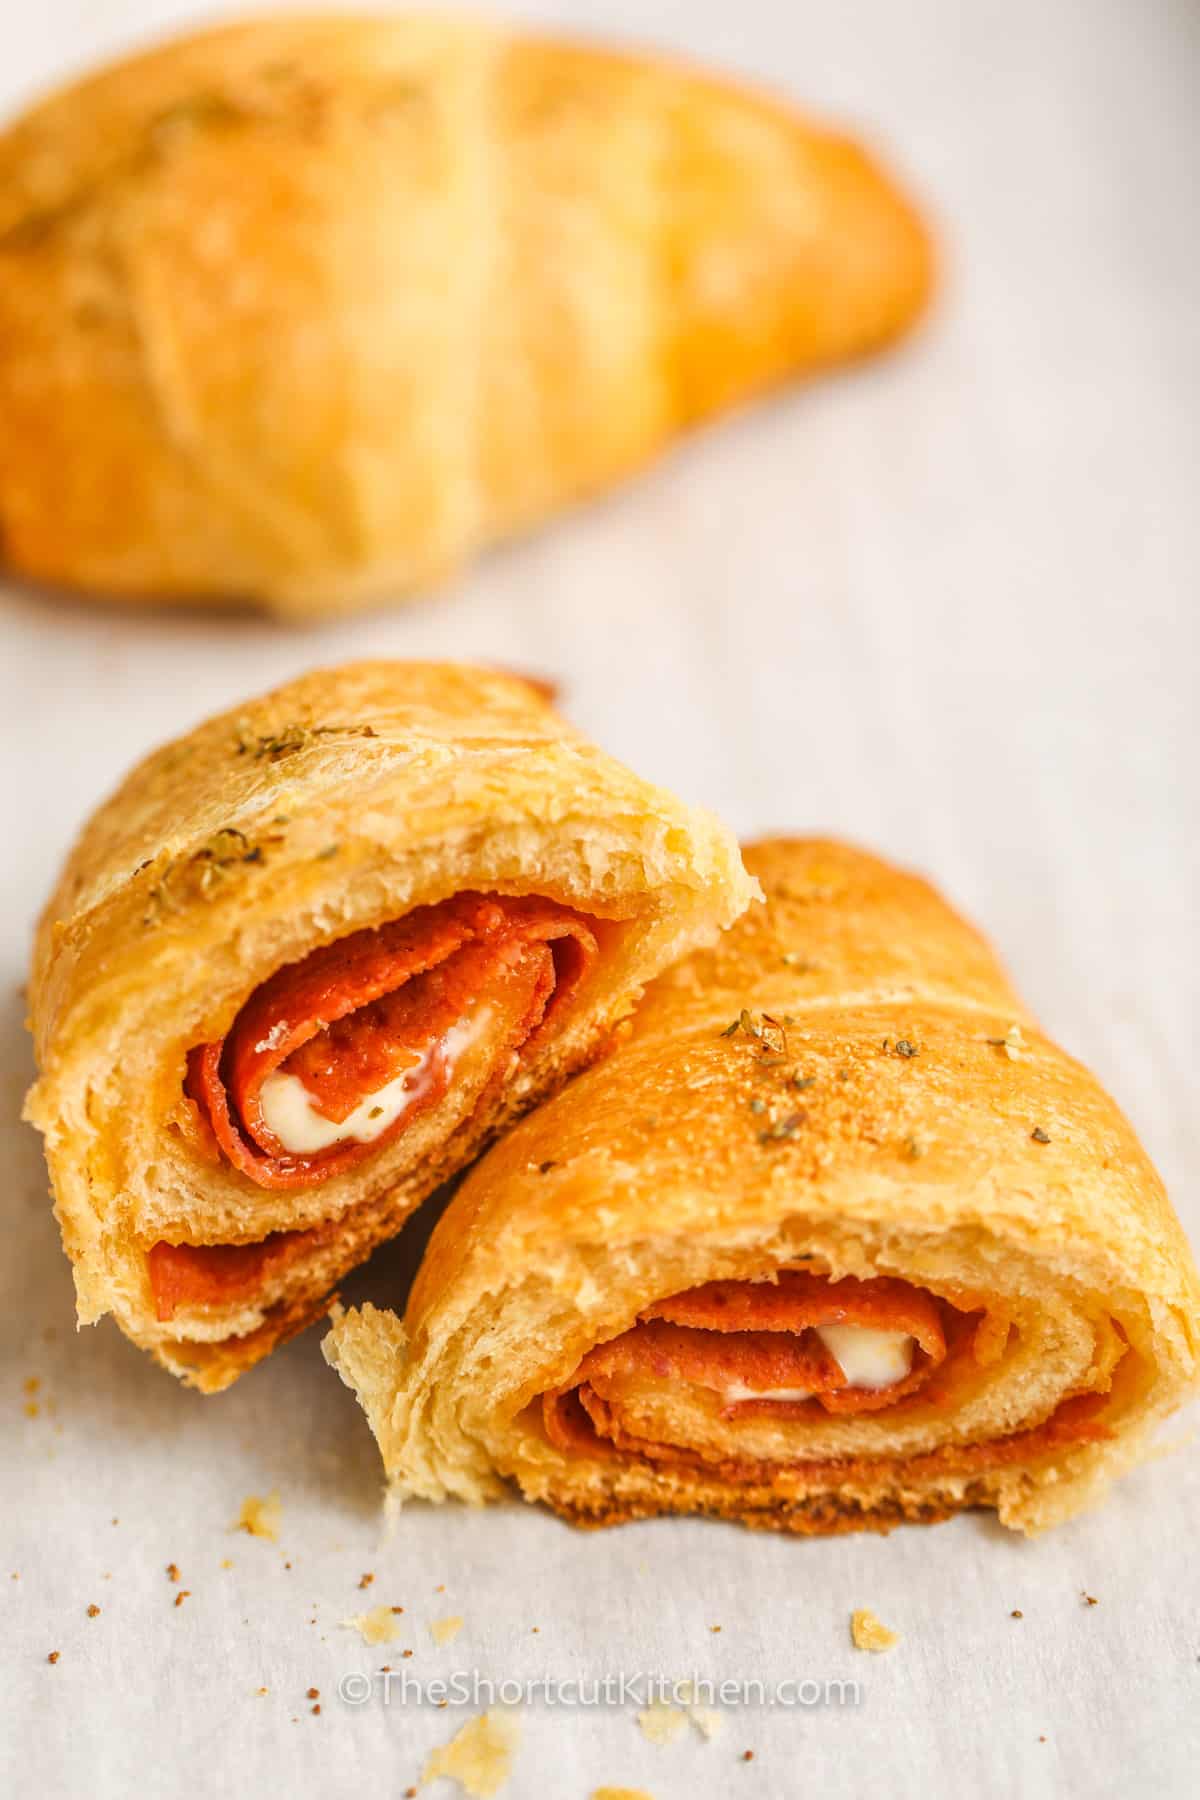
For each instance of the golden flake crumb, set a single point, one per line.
(444, 1631)
(661, 1723)
(375, 1627)
(707, 1720)
(619, 1793)
(868, 1633)
(261, 1516)
(480, 1756)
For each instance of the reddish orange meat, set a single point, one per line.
(216, 1274)
(759, 1335)
(356, 1013)
(350, 1018)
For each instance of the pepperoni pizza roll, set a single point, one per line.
(310, 958)
(835, 1239)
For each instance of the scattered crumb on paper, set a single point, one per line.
(707, 1720)
(375, 1627)
(661, 1723)
(261, 1516)
(444, 1631)
(869, 1633)
(619, 1793)
(479, 1757)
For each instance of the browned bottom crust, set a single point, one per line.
(823, 1515)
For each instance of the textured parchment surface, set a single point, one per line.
(946, 606)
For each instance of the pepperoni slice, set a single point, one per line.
(351, 1018)
(216, 1274)
(759, 1335)
(357, 1013)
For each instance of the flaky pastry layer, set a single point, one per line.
(845, 1087)
(338, 804)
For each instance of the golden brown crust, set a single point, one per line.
(307, 310)
(347, 798)
(894, 1136)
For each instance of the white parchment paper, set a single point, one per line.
(945, 605)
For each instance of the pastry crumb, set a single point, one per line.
(661, 1723)
(444, 1631)
(480, 1756)
(313, 1693)
(93, 1611)
(1088, 1599)
(375, 1627)
(364, 1581)
(707, 1720)
(182, 1595)
(261, 1516)
(868, 1633)
(54, 1656)
(172, 1571)
(619, 1793)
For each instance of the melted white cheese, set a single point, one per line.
(738, 1391)
(868, 1358)
(290, 1111)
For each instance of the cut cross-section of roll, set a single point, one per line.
(310, 958)
(835, 1239)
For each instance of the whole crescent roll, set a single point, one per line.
(836, 1239)
(307, 310)
(309, 958)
